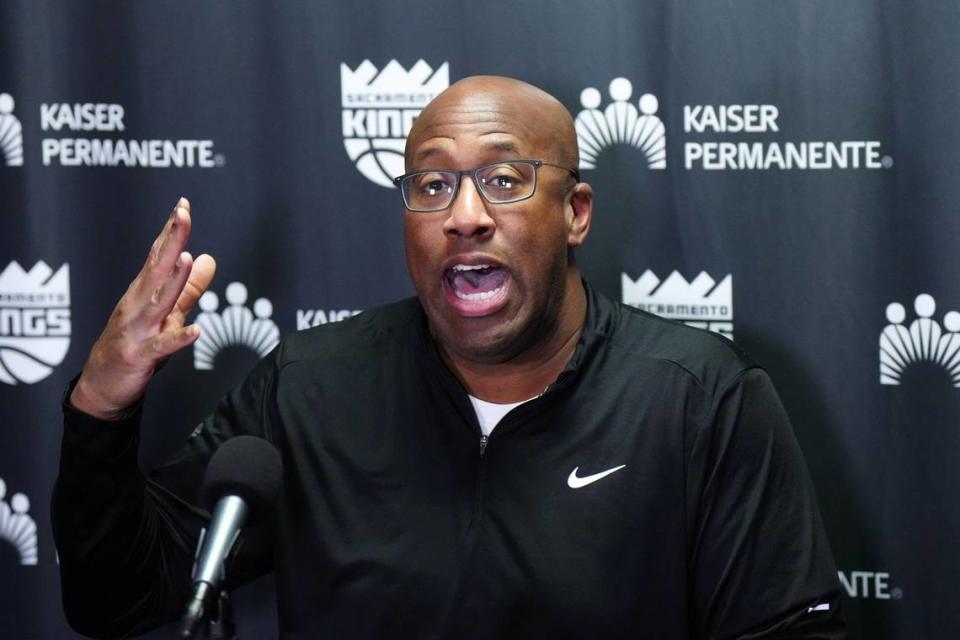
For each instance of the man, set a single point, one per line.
(508, 454)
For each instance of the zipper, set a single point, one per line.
(485, 438)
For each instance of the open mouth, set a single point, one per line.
(476, 289)
(476, 281)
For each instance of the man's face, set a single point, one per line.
(491, 277)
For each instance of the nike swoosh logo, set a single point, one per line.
(575, 483)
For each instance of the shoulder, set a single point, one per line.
(712, 361)
(368, 333)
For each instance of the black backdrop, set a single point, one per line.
(800, 154)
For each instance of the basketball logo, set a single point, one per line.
(34, 321)
(378, 110)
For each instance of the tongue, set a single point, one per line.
(479, 280)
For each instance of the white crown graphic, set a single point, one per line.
(675, 290)
(17, 526)
(235, 325)
(378, 110)
(34, 321)
(620, 123)
(11, 133)
(700, 303)
(39, 287)
(364, 87)
(923, 341)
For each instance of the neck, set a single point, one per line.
(528, 374)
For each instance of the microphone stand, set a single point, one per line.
(210, 607)
(222, 625)
(216, 620)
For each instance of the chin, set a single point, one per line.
(494, 347)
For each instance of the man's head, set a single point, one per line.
(497, 281)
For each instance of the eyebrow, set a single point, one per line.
(507, 147)
(504, 146)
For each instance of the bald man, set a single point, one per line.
(509, 454)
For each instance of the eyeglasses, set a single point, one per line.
(497, 183)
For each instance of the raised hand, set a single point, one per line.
(148, 324)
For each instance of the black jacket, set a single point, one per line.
(393, 524)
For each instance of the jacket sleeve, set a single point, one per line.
(126, 541)
(760, 563)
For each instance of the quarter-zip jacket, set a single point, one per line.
(655, 490)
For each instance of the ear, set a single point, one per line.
(581, 208)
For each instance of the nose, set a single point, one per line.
(468, 217)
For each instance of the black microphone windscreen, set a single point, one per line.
(248, 467)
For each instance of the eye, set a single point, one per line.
(504, 178)
(433, 184)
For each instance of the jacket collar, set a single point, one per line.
(600, 322)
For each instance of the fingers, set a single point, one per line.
(201, 275)
(159, 284)
(163, 298)
(167, 246)
(165, 344)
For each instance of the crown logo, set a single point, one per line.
(39, 287)
(17, 526)
(34, 321)
(395, 87)
(620, 123)
(676, 290)
(11, 132)
(701, 303)
(924, 340)
(379, 109)
(235, 325)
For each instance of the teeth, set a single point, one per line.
(484, 295)
(470, 267)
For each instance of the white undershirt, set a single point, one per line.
(489, 414)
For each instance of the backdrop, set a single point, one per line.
(782, 172)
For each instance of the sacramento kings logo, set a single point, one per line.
(701, 303)
(11, 133)
(378, 110)
(34, 321)
(620, 122)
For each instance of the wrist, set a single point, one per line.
(88, 401)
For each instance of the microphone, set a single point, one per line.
(241, 484)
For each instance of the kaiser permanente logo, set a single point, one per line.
(17, 526)
(620, 122)
(11, 133)
(307, 318)
(235, 325)
(379, 108)
(872, 585)
(701, 303)
(34, 321)
(923, 340)
(719, 137)
(738, 120)
(87, 149)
